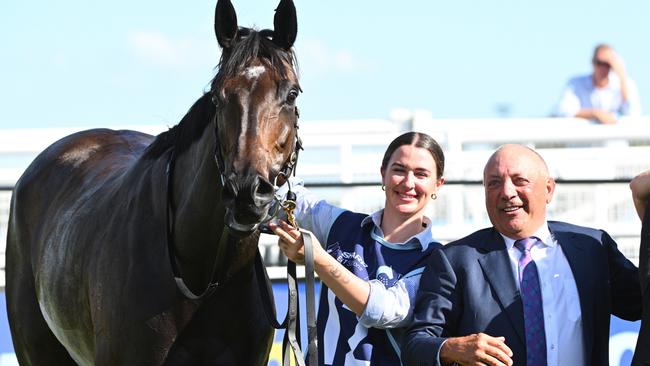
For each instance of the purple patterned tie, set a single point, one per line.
(532, 298)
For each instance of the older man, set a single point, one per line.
(526, 291)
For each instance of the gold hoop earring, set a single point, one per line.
(434, 196)
(383, 187)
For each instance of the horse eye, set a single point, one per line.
(291, 98)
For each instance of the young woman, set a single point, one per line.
(371, 264)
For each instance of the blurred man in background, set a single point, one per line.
(604, 95)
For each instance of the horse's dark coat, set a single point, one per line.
(89, 277)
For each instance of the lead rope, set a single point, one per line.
(291, 322)
(289, 206)
(292, 332)
(310, 294)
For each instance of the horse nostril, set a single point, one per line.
(264, 190)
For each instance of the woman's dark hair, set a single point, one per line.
(417, 139)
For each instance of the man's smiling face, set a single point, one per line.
(517, 190)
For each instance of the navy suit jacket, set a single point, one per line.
(469, 287)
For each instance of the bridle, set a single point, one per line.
(285, 172)
(287, 168)
(228, 240)
(291, 323)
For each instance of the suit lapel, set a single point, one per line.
(497, 269)
(575, 253)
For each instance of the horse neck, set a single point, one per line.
(199, 215)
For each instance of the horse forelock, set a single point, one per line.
(250, 45)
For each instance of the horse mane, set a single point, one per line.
(250, 44)
(186, 131)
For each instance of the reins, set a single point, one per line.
(226, 241)
(292, 320)
(291, 323)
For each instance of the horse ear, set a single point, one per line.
(225, 23)
(286, 24)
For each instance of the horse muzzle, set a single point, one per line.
(238, 229)
(247, 202)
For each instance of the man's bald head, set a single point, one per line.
(517, 189)
(523, 151)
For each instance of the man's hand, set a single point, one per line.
(601, 116)
(604, 117)
(615, 62)
(640, 186)
(476, 350)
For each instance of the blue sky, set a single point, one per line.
(91, 63)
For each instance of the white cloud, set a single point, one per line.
(61, 60)
(320, 57)
(157, 49)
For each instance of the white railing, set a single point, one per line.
(351, 152)
(573, 148)
(347, 151)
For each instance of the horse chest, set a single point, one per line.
(228, 328)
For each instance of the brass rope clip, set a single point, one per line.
(288, 206)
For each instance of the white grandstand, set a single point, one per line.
(348, 152)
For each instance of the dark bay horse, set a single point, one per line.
(114, 236)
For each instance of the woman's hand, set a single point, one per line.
(290, 241)
(350, 289)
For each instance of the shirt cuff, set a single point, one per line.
(386, 307)
(438, 362)
(374, 307)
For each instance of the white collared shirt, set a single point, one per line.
(561, 303)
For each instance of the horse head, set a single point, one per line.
(256, 120)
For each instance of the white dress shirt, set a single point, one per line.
(561, 303)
